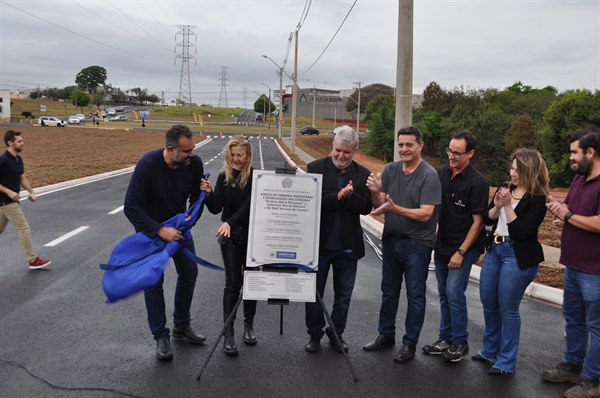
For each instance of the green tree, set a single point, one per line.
(488, 123)
(65, 93)
(98, 99)
(379, 143)
(430, 125)
(80, 99)
(367, 94)
(574, 110)
(434, 97)
(153, 98)
(90, 78)
(263, 104)
(521, 134)
(377, 103)
(140, 94)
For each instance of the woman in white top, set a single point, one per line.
(513, 257)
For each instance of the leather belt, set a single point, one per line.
(498, 239)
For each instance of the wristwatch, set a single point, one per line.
(567, 216)
(461, 252)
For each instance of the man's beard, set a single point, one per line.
(584, 167)
(180, 163)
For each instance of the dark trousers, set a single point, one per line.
(344, 276)
(234, 259)
(408, 260)
(187, 272)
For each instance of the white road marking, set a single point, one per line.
(67, 236)
(115, 211)
(262, 163)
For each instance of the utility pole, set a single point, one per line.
(264, 115)
(245, 96)
(358, 109)
(279, 111)
(314, 98)
(404, 69)
(185, 84)
(294, 97)
(223, 86)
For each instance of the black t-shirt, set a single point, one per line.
(462, 196)
(11, 169)
(158, 192)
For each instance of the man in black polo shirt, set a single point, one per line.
(11, 178)
(460, 242)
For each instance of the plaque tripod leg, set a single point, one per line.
(281, 319)
(218, 340)
(337, 338)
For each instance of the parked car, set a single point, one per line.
(112, 112)
(81, 117)
(309, 130)
(119, 118)
(51, 121)
(74, 119)
(103, 114)
(119, 109)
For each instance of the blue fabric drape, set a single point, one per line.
(138, 262)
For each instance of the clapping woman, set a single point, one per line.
(231, 196)
(512, 260)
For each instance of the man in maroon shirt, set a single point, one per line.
(580, 253)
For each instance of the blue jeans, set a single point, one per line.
(452, 284)
(403, 259)
(187, 272)
(581, 309)
(344, 275)
(501, 289)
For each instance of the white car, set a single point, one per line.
(111, 112)
(119, 118)
(74, 120)
(81, 117)
(51, 121)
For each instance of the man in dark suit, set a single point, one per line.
(344, 198)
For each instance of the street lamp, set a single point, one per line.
(279, 111)
(269, 124)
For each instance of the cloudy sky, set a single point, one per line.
(474, 44)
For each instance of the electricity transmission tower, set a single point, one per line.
(223, 86)
(185, 84)
(245, 96)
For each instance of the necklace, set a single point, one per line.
(512, 193)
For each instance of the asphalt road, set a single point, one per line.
(55, 322)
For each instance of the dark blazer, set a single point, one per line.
(233, 202)
(350, 209)
(523, 231)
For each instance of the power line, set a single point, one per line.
(152, 16)
(85, 37)
(164, 12)
(117, 26)
(330, 41)
(139, 25)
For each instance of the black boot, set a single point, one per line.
(249, 335)
(229, 346)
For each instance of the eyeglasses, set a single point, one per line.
(456, 154)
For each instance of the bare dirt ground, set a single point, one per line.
(550, 274)
(52, 155)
